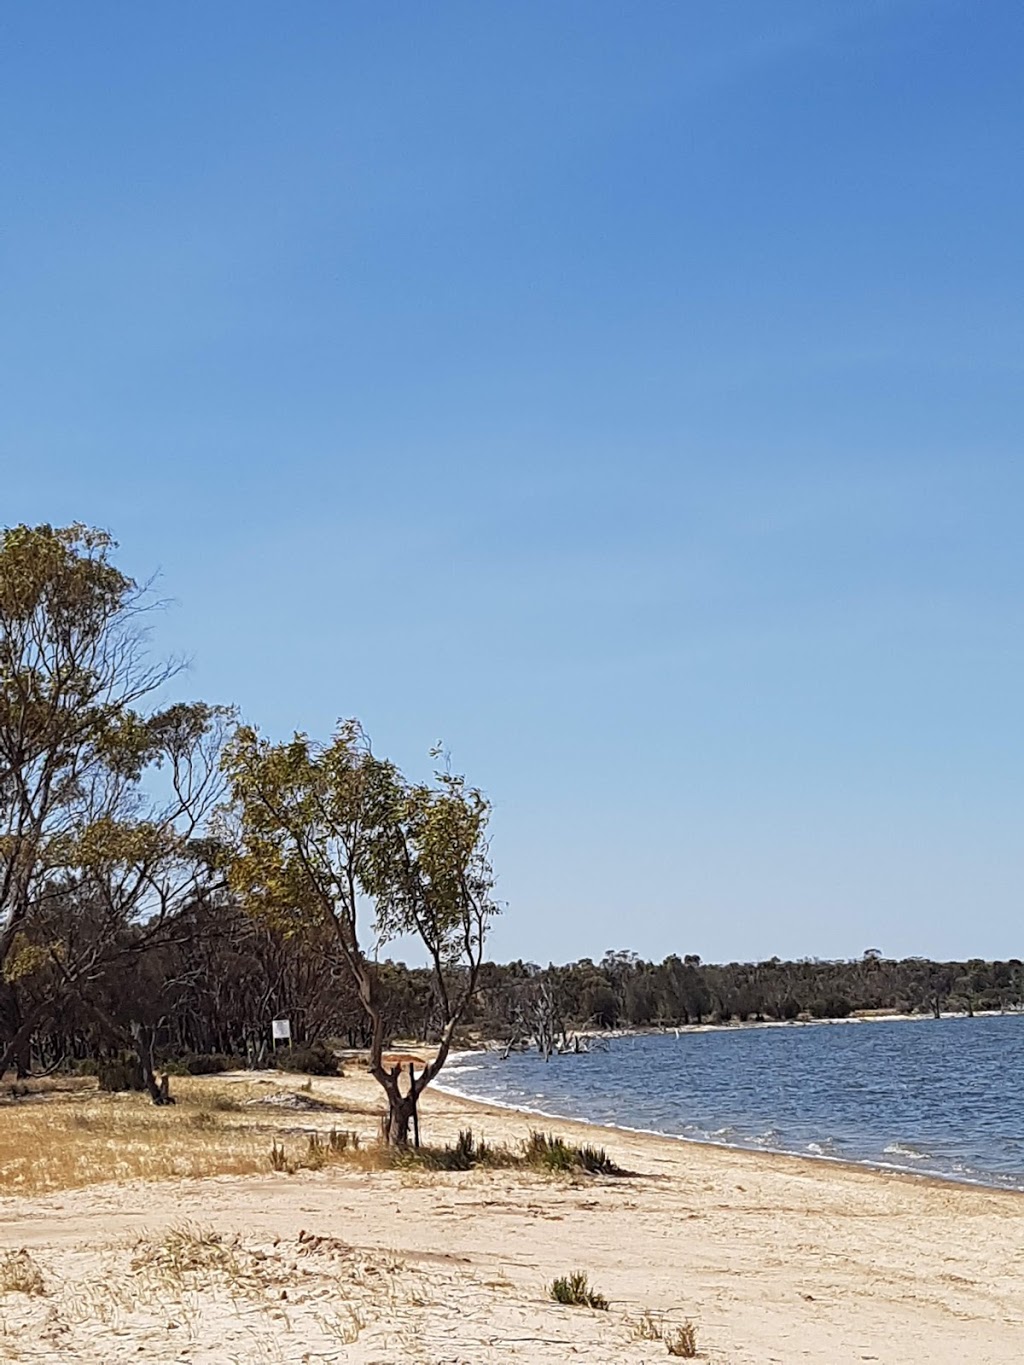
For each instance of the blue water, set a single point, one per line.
(940, 1097)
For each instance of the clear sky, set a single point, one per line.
(627, 394)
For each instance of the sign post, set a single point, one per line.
(281, 1031)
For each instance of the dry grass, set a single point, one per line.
(63, 1135)
(192, 1288)
(66, 1134)
(680, 1341)
(648, 1328)
(19, 1274)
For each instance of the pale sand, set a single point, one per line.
(775, 1259)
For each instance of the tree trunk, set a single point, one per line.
(399, 1117)
(14, 1051)
(159, 1091)
(394, 1126)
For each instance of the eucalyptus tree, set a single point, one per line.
(337, 836)
(97, 856)
(73, 672)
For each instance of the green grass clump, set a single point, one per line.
(574, 1290)
(465, 1154)
(540, 1152)
(547, 1152)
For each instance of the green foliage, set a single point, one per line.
(463, 1156)
(26, 959)
(318, 825)
(574, 1290)
(316, 1059)
(541, 1152)
(547, 1152)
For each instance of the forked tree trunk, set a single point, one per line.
(395, 1124)
(397, 1121)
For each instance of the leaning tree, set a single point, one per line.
(330, 834)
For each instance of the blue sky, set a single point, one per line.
(629, 395)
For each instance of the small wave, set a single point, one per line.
(771, 1137)
(908, 1153)
(826, 1147)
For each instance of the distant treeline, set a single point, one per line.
(216, 986)
(624, 991)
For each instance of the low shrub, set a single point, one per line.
(574, 1290)
(120, 1073)
(319, 1151)
(202, 1064)
(316, 1059)
(343, 1141)
(541, 1152)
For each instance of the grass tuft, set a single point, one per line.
(647, 1328)
(19, 1274)
(574, 1290)
(547, 1152)
(679, 1341)
(683, 1341)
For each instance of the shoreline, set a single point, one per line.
(865, 1165)
(874, 1164)
(736, 1025)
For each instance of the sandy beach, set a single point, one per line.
(774, 1259)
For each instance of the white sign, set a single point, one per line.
(281, 1028)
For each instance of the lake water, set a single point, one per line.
(941, 1097)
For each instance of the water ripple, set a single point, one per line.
(942, 1097)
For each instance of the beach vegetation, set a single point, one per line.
(312, 1059)
(575, 1291)
(681, 1341)
(548, 1152)
(648, 1328)
(20, 1274)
